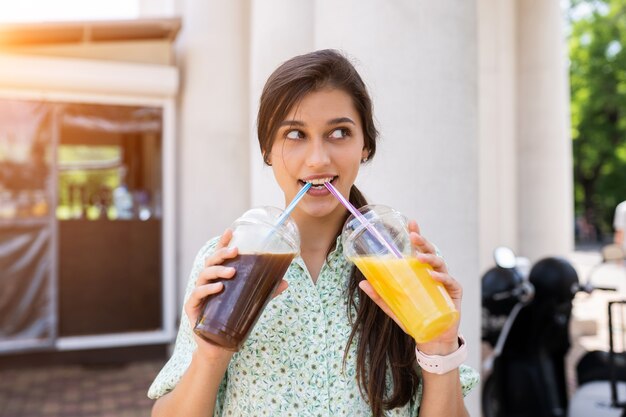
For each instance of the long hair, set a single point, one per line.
(382, 347)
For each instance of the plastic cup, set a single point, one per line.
(265, 251)
(420, 303)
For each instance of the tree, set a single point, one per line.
(598, 106)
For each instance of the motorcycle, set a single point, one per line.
(601, 375)
(526, 320)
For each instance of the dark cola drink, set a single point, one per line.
(229, 315)
(267, 242)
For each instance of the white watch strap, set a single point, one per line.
(440, 365)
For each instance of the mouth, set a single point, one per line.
(318, 183)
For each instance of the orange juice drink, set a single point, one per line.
(421, 304)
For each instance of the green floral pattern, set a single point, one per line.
(292, 362)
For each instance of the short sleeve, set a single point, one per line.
(185, 345)
(469, 378)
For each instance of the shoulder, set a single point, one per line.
(208, 248)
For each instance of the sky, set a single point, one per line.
(14, 11)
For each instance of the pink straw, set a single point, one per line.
(390, 246)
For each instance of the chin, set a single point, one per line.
(320, 210)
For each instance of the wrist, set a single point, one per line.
(442, 364)
(438, 348)
(211, 360)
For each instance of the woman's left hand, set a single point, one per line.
(426, 252)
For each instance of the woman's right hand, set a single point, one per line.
(205, 286)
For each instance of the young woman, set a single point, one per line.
(326, 345)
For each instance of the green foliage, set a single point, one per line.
(597, 52)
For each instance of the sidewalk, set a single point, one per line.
(76, 391)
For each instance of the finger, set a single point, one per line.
(452, 286)
(213, 272)
(197, 297)
(220, 256)
(414, 227)
(282, 286)
(421, 244)
(202, 291)
(447, 280)
(371, 293)
(435, 261)
(224, 239)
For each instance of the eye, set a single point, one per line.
(294, 134)
(340, 133)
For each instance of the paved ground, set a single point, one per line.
(75, 391)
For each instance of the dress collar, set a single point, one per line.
(334, 256)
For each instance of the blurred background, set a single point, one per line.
(127, 139)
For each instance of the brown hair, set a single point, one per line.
(382, 347)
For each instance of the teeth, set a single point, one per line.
(320, 181)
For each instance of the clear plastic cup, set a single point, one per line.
(264, 254)
(420, 303)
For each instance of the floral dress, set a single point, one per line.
(292, 362)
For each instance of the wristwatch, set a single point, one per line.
(437, 364)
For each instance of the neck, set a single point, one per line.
(318, 233)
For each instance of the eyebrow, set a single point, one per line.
(336, 121)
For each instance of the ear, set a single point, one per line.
(365, 154)
(267, 158)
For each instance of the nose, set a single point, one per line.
(317, 153)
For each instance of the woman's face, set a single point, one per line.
(320, 139)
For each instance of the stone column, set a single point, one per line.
(213, 177)
(280, 29)
(497, 156)
(420, 61)
(545, 196)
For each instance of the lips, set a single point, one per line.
(318, 182)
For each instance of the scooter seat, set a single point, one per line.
(596, 366)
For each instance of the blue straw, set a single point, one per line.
(286, 213)
(293, 204)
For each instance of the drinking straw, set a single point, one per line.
(390, 246)
(293, 204)
(286, 213)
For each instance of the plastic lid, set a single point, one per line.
(255, 232)
(390, 223)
